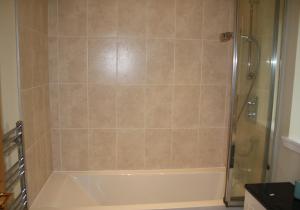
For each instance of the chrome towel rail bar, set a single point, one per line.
(15, 172)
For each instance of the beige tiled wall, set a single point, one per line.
(34, 91)
(138, 84)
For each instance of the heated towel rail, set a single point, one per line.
(13, 150)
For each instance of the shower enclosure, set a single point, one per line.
(253, 93)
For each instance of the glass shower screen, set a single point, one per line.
(254, 69)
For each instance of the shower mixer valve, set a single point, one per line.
(252, 108)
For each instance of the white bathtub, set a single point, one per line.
(149, 189)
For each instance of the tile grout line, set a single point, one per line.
(87, 84)
(201, 87)
(144, 98)
(117, 86)
(131, 85)
(130, 128)
(173, 86)
(137, 37)
(59, 85)
(145, 80)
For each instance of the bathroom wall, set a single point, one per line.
(9, 98)
(139, 84)
(286, 161)
(8, 66)
(295, 112)
(34, 85)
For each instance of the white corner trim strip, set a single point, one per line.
(292, 144)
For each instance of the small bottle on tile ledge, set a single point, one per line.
(297, 190)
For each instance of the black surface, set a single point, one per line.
(275, 196)
(209, 208)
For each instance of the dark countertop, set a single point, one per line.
(275, 196)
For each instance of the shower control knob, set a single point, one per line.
(252, 114)
(251, 102)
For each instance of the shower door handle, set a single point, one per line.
(231, 157)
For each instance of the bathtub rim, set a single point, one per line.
(156, 206)
(143, 171)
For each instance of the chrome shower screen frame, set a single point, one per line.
(227, 197)
(228, 200)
